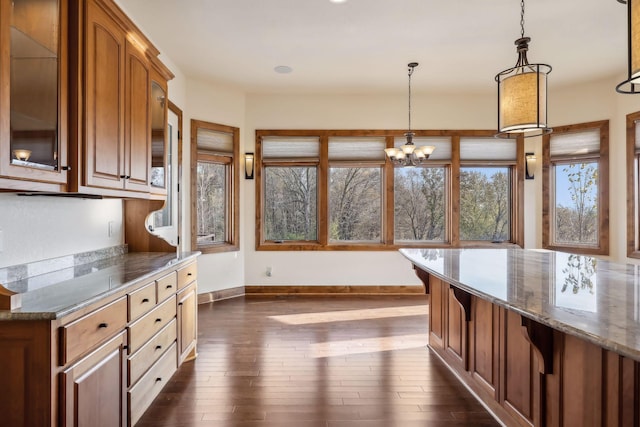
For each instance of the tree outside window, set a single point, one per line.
(485, 207)
(576, 200)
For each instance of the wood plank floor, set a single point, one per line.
(315, 361)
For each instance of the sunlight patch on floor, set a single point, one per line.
(348, 315)
(368, 345)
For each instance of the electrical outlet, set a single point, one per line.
(268, 271)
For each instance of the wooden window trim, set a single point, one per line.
(603, 189)
(633, 206)
(232, 228)
(452, 199)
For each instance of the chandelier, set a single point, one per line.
(409, 154)
(522, 94)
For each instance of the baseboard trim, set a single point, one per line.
(220, 295)
(335, 290)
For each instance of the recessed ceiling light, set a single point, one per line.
(338, 1)
(283, 69)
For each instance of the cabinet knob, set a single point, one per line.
(145, 300)
(127, 177)
(179, 303)
(169, 286)
(158, 379)
(158, 347)
(103, 325)
(66, 168)
(189, 274)
(158, 320)
(123, 176)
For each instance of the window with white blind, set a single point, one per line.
(355, 189)
(290, 210)
(335, 190)
(633, 185)
(214, 187)
(421, 194)
(575, 207)
(486, 181)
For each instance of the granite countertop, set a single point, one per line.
(583, 296)
(60, 293)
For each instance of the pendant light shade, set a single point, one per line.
(522, 94)
(630, 86)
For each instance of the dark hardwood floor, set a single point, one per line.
(315, 361)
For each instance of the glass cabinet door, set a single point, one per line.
(158, 136)
(35, 104)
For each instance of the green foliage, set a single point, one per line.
(579, 272)
(485, 204)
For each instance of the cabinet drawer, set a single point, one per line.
(142, 394)
(141, 301)
(150, 352)
(167, 286)
(187, 275)
(150, 323)
(80, 336)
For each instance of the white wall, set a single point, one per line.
(38, 228)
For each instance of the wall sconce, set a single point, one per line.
(22, 154)
(529, 165)
(248, 165)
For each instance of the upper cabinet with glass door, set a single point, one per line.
(159, 153)
(33, 105)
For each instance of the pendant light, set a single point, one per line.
(522, 94)
(631, 85)
(409, 154)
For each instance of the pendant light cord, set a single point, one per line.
(410, 72)
(522, 18)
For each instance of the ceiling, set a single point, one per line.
(363, 46)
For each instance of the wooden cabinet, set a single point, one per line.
(94, 388)
(103, 364)
(33, 94)
(187, 323)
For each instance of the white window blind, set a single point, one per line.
(357, 148)
(294, 147)
(574, 144)
(442, 144)
(216, 141)
(477, 148)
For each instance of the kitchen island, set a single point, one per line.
(543, 338)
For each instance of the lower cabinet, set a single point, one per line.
(93, 388)
(104, 364)
(187, 323)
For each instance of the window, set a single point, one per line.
(420, 195)
(214, 187)
(486, 181)
(291, 189)
(575, 189)
(335, 190)
(633, 187)
(355, 189)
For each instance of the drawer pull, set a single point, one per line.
(145, 300)
(158, 347)
(189, 274)
(158, 320)
(158, 379)
(103, 325)
(179, 303)
(169, 286)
